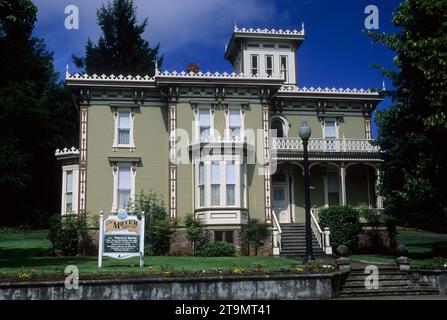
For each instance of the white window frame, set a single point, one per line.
(337, 128)
(272, 69)
(75, 183)
(326, 188)
(131, 145)
(284, 71)
(197, 122)
(252, 69)
(242, 123)
(239, 194)
(115, 171)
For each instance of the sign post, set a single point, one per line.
(121, 237)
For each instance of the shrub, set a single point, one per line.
(195, 232)
(254, 234)
(344, 224)
(217, 249)
(68, 234)
(158, 227)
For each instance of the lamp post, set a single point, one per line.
(305, 132)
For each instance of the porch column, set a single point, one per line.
(379, 200)
(343, 183)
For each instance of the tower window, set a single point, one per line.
(254, 64)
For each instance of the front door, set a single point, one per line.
(281, 202)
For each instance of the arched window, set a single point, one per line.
(278, 125)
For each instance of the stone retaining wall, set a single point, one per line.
(263, 287)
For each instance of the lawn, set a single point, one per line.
(24, 251)
(424, 248)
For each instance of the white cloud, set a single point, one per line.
(174, 23)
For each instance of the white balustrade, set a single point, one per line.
(323, 236)
(325, 145)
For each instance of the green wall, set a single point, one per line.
(150, 133)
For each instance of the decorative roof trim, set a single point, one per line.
(353, 91)
(66, 153)
(167, 74)
(215, 75)
(271, 31)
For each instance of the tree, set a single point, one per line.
(195, 231)
(254, 234)
(413, 131)
(121, 48)
(35, 118)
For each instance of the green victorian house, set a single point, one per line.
(224, 146)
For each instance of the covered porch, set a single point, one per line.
(331, 183)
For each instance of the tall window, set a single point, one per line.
(69, 192)
(215, 183)
(123, 128)
(124, 186)
(242, 176)
(231, 184)
(284, 67)
(235, 123)
(329, 130)
(269, 65)
(333, 189)
(201, 184)
(277, 125)
(204, 123)
(254, 64)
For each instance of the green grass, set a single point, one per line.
(424, 248)
(24, 251)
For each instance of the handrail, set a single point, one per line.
(323, 237)
(326, 144)
(277, 231)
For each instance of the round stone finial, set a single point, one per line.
(342, 250)
(402, 250)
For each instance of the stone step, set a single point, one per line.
(381, 277)
(386, 283)
(390, 291)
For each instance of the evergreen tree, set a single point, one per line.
(35, 118)
(413, 131)
(121, 48)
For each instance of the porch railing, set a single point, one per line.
(326, 145)
(323, 236)
(276, 235)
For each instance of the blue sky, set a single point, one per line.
(336, 52)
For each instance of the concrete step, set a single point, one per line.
(390, 291)
(385, 283)
(381, 277)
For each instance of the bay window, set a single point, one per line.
(201, 184)
(231, 184)
(220, 184)
(215, 184)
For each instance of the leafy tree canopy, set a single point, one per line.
(121, 48)
(413, 131)
(35, 117)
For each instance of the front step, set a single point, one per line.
(392, 282)
(293, 241)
